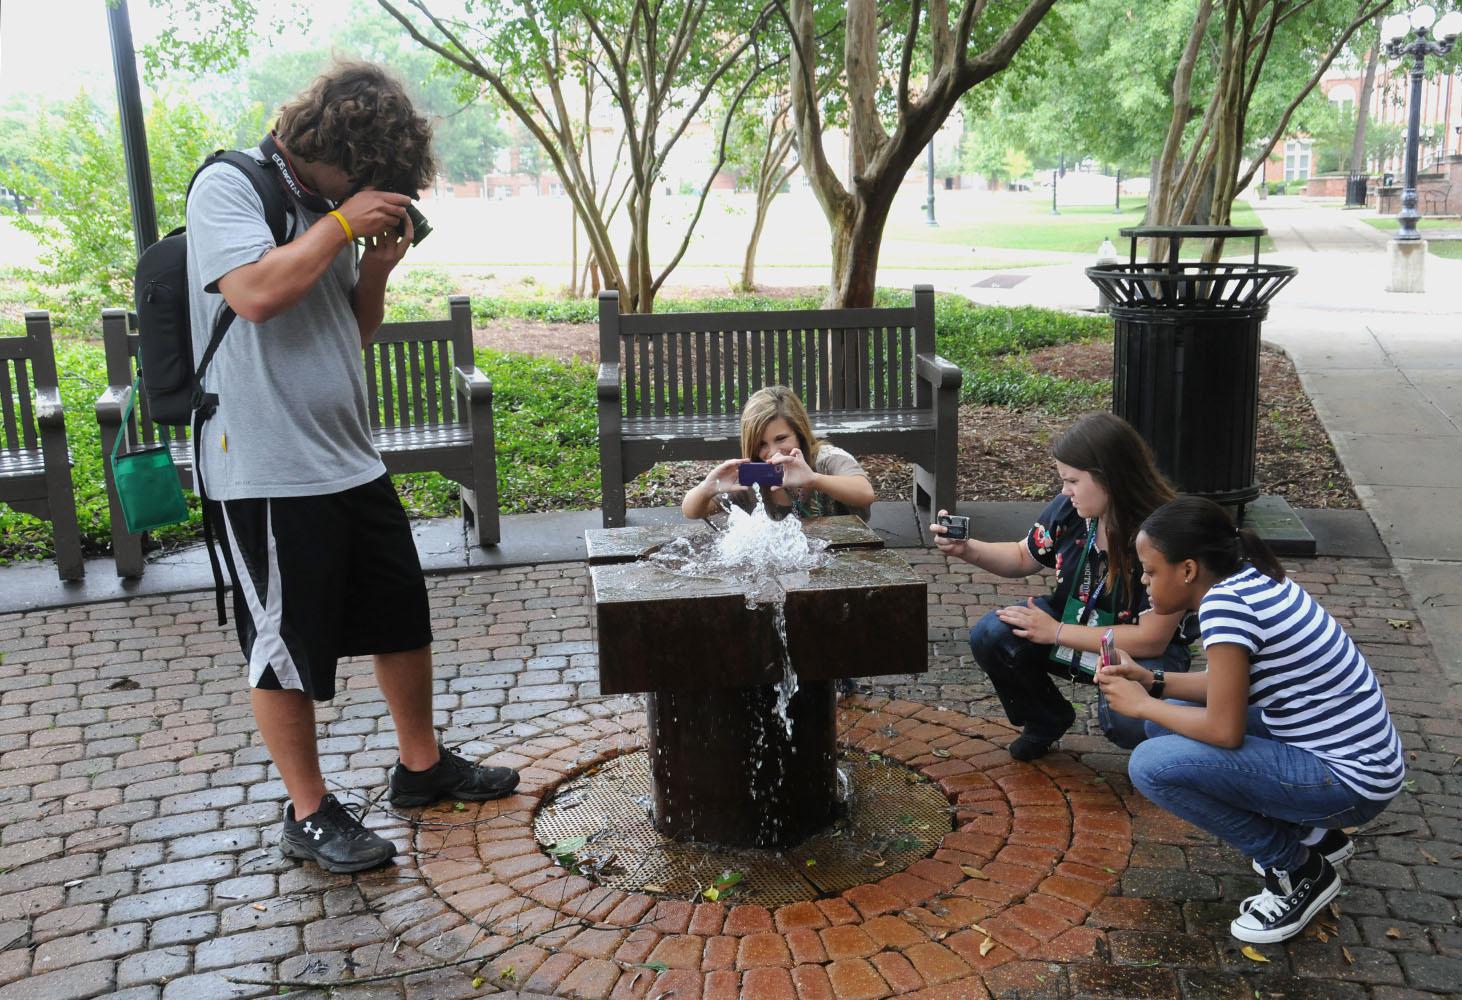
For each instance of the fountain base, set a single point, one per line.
(726, 772)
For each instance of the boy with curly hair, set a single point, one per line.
(322, 559)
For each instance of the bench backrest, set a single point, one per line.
(408, 368)
(707, 364)
(27, 363)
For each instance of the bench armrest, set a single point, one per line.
(111, 404)
(473, 384)
(608, 382)
(939, 372)
(49, 411)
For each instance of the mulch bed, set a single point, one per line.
(1004, 453)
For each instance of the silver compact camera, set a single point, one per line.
(956, 526)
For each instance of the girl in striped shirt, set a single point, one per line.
(1284, 740)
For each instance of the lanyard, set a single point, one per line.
(1095, 593)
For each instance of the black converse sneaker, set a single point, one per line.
(1335, 845)
(1289, 900)
(453, 777)
(334, 838)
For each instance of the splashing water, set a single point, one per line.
(756, 552)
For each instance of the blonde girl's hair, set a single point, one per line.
(772, 403)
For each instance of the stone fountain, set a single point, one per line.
(726, 768)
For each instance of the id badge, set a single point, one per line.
(1075, 613)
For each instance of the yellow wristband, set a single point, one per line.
(349, 236)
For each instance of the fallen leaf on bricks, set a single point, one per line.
(986, 946)
(1345, 954)
(1403, 624)
(1252, 953)
(1430, 857)
(1394, 933)
(974, 872)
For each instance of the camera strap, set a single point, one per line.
(309, 199)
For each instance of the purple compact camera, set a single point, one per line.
(759, 474)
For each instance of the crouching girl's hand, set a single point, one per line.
(1030, 621)
(957, 547)
(1124, 684)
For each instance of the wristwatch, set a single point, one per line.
(1159, 682)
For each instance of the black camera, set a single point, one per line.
(956, 526)
(420, 228)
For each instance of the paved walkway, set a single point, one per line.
(139, 817)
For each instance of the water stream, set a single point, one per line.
(756, 552)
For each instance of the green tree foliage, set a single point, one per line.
(467, 134)
(74, 182)
(905, 66)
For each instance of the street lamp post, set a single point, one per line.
(929, 201)
(1417, 34)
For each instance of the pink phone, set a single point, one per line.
(1109, 648)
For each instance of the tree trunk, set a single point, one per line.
(574, 257)
(855, 247)
(1363, 106)
(748, 265)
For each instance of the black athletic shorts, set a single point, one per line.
(317, 578)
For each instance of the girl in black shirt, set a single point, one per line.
(1087, 535)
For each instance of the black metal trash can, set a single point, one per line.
(1355, 190)
(1185, 359)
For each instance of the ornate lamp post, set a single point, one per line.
(1417, 34)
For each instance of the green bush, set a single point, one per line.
(1277, 187)
(74, 177)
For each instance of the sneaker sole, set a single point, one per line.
(1285, 933)
(1335, 858)
(290, 850)
(413, 801)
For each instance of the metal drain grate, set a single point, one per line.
(895, 819)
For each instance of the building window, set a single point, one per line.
(1297, 160)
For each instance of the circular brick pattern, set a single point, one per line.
(1034, 849)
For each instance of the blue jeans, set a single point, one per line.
(1021, 673)
(1260, 797)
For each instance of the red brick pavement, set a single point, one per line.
(139, 813)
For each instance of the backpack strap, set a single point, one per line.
(277, 209)
(264, 178)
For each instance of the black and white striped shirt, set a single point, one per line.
(1315, 689)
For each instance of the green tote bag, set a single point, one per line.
(147, 481)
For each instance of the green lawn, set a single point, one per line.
(1026, 223)
(1390, 223)
(1450, 249)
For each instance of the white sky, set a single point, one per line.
(56, 47)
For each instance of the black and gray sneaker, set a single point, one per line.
(1335, 845)
(453, 777)
(334, 838)
(1287, 903)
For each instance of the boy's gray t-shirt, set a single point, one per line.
(292, 416)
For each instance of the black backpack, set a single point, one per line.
(165, 336)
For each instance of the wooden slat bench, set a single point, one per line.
(35, 464)
(431, 411)
(671, 387)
